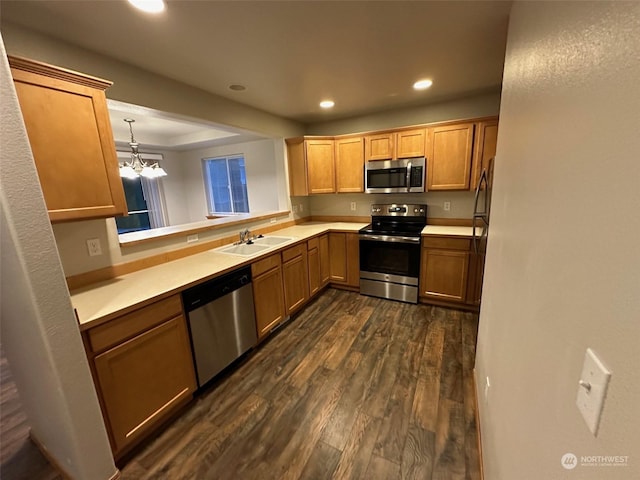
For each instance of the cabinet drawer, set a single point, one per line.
(293, 252)
(265, 265)
(445, 242)
(118, 330)
(313, 243)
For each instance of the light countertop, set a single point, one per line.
(445, 231)
(103, 301)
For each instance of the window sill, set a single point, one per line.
(147, 236)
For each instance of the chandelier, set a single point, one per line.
(137, 167)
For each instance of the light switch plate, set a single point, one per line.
(592, 390)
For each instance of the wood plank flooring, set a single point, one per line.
(353, 387)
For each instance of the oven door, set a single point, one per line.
(390, 267)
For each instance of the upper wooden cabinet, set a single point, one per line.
(379, 147)
(410, 143)
(321, 162)
(66, 117)
(311, 166)
(395, 144)
(484, 148)
(449, 154)
(350, 165)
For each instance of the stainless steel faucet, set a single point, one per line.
(245, 235)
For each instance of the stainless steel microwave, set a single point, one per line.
(395, 176)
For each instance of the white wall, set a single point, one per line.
(563, 260)
(39, 331)
(260, 166)
(173, 187)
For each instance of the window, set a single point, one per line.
(138, 218)
(225, 183)
(145, 200)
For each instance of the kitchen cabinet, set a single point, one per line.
(379, 146)
(67, 121)
(474, 283)
(143, 370)
(410, 143)
(295, 274)
(311, 166)
(268, 293)
(444, 269)
(323, 250)
(484, 148)
(395, 144)
(344, 265)
(350, 165)
(313, 257)
(449, 153)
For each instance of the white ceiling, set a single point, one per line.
(365, 55)
(155, 129)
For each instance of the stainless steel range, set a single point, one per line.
(390, 251)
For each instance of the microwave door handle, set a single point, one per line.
(409, 176)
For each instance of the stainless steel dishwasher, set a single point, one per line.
(221, 321)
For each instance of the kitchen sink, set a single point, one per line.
(271, 241)
(244, 249)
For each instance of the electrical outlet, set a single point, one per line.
(94, 247)
(447, 206)
(192, 238)
(301, 207)
(295, 208)
(353, 206)
(273, 220)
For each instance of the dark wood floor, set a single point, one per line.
(354, 387)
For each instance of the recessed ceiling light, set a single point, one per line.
(422, 84)
(327, 104)
(149, 6)
(237, 87)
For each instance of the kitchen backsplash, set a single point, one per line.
(461, 203)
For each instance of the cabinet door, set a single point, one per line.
(145, 379)
(295, 273)
(484, 148)
(353, 259)
(350, 165)
(268, 298)
(449, 157)
(314, 271)
(298, 186)
(320, 166)
(410, 143)
(70, 135)
(323, 247)
(338, 257)
(379, 147)
(444, 274)
(474, 284)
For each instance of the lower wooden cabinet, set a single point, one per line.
(313, 261)
(295, 274)
(344, 264)
(143, 370)
(444, 269)
(323, 249)
(268, 293)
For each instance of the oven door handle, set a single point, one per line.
(389, 238)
